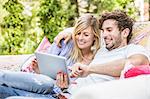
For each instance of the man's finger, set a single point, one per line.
(79, 72)
(73, 82)
(58, 43)
(73, 75)
(69, 68)
(58, 39)
(67, 39)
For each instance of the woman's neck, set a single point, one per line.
(87, 56)
(86, 52)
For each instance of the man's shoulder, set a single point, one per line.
(136, 49)
(102, 50)
(134, 46)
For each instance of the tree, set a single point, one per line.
(16, 30)
(21, 33)
(12, 28)
(55, 15)
(149, 10)
(100, 6)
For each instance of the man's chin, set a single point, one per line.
(109, 47)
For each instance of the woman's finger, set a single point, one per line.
(61, 79)
(66, 81)
(58, 79)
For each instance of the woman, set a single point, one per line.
(86, 37)
(86, 43)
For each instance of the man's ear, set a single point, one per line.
(125, 32)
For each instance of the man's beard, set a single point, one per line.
(111, 47)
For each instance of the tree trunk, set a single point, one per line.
(77, 7)
(149, 10)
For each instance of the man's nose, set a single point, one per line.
(105, 33)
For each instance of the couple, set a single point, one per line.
(116, 29)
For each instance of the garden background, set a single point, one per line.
(23, 23)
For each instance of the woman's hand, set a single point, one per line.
(60, 96)
(62, 80)
(34, 66)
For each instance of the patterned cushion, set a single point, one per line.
(141, 34)
(43, 47)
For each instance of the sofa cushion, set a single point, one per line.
(141, 34)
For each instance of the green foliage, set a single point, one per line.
(110, 5)
(54, 16)
(21, 33)
(18, 36)
(12, 26)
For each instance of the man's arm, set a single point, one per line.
(113, 68)
(66, 34)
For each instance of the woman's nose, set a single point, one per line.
(80, 36)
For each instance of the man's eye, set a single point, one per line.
(109, 30)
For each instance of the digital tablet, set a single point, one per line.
(51, 64)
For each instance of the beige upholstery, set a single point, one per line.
(141, 34)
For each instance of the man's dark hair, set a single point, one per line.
(123, 21)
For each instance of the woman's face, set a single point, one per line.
(85, 39)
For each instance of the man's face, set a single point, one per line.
(111, 34)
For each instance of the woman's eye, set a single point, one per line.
(86, 35)
(79, 33)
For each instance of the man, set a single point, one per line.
(109, 62)
(117, 30)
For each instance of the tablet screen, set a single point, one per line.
(51, 64)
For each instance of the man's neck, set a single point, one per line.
(120, 46)
(123, 44)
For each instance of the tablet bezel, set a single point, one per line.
(50, 64)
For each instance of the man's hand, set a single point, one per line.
(62, 80)
(34, 66)
(65, 34)
(79, 70)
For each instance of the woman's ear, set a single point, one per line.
(93, 47)
(94, 41)
(125, 32)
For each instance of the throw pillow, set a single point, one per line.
(43, 47)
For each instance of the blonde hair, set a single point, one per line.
(85, 21)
